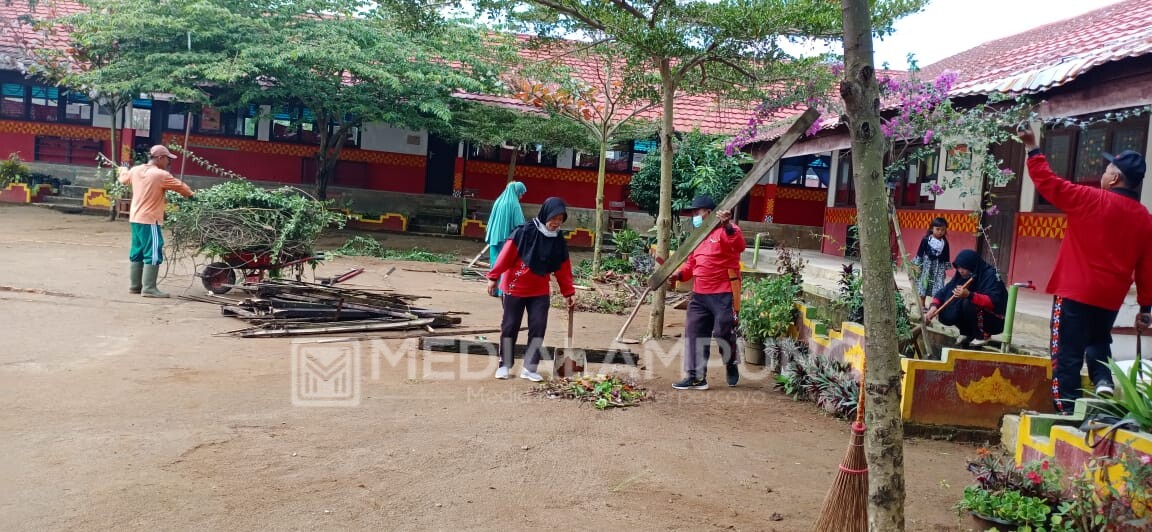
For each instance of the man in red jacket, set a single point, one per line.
(715, 264)
(1106, 243)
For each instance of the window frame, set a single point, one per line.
(810, 158)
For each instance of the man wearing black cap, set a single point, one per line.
(1105, 245)
(715, 264)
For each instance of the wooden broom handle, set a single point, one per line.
(933, 315)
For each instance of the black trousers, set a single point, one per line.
(709, 316)
(972, 320)
(1079, 332)
(514, 309)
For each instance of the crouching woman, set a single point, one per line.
(533, 253)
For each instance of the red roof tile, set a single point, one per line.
(16, 36)
(1053, 54)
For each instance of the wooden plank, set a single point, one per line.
(460, 346)
(661, 275)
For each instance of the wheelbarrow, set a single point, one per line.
(251, 267)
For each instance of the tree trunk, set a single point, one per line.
(664, 217)
(331, 144)
(600, 178)
(512, 166)
(884, 442)
(115, 156)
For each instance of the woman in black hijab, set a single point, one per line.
(533, 252)
(978, 310)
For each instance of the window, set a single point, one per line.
(913, 190)
(177, 116)
(1074, 153)
(619, 159)
(45, 103)
(640, 149)
(142, 117)
(808, 171)
(77, 108)
(845, 188)
(238, 123)
(13, 98)
(532, 155)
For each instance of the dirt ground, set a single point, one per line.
(127, 413)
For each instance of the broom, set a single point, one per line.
(845, 507)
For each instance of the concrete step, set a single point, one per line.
(63, 200)
(73, 191)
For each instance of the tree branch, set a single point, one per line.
(636, 13)
(570, 12)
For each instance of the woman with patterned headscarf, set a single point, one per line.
(506, 216)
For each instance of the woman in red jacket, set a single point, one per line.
(534, 252)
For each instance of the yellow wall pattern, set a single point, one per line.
(54, 130)
(962, 221)
(840, 215)
(769, 206)
(1041, 225)
(802, 194)
(548, 173)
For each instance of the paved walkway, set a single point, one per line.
(1033, 307)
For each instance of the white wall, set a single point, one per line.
(100, 119)
(379, 136)
(834, 178)
(950, 199)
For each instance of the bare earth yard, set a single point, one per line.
(126, 413)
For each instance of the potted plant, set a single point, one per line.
(767, 312)
(1010, 497)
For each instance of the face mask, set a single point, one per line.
(544, 229)
(697, 221)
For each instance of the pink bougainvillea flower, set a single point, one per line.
(928, 136)
(992, 211)
(936, 189)
(1007, 172)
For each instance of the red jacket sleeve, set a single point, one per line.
(685, 273)
(564, 279)
(735, 241)
(505, 261)
(1065, 195)
(1144, 278)
(983, 301)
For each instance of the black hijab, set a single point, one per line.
(542, 254)
(986, 282)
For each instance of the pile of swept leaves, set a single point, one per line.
(362, 246)
(603, 391)
(240, 216)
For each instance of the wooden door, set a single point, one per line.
(1001, 225)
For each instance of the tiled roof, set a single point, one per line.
(704, 112)
(1054, 54)
(16, 36)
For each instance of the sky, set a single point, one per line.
(947, 27)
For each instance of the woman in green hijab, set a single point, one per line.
(506, 216)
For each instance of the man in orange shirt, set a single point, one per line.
(149, 182)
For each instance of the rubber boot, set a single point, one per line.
(134, 275)
(151, 271)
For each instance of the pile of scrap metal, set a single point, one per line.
(293, 308)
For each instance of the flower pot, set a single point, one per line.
(753, 352)
(985, 522)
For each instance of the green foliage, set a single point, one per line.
(347, 61)
(699, 167)
(1007, 505)
(767, 307)
(628, 242)
(1134, 400)
(495, 126)
(13, 170)
(831, 384)
(1097, 501)
(849, 303)
(603, 391)
(239, 216)
(362, 246)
